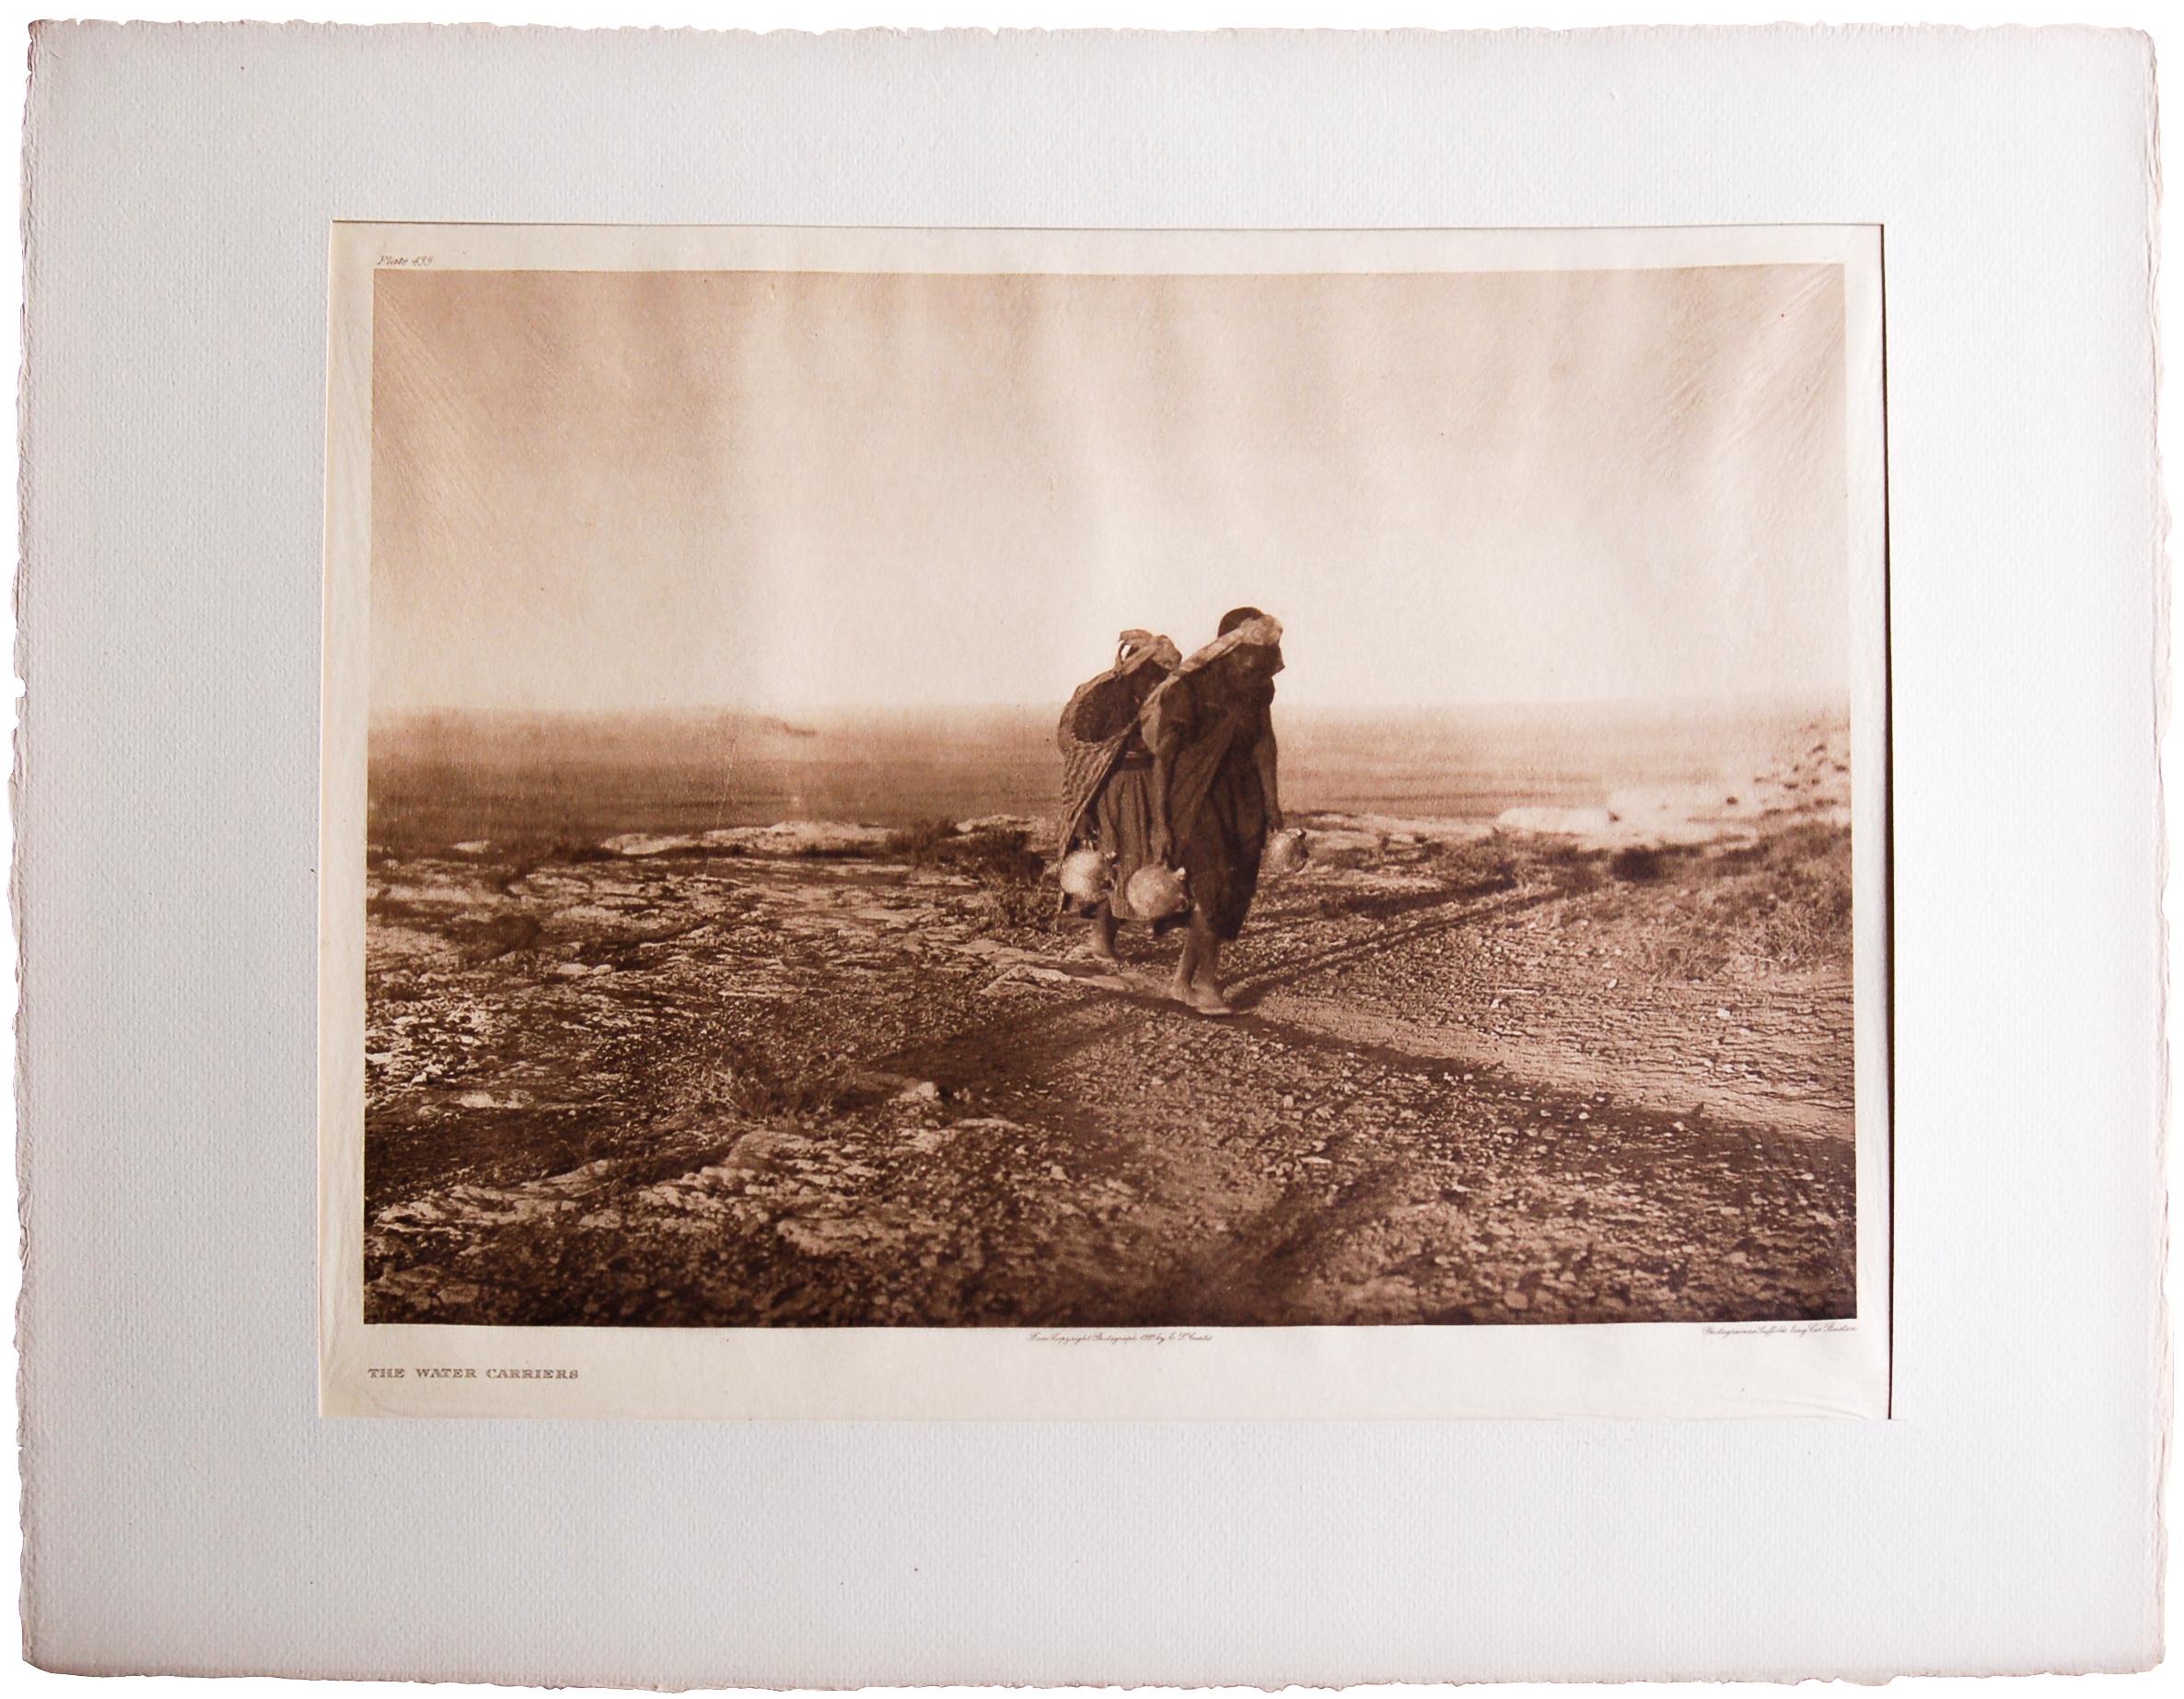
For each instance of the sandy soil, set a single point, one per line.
(1594, 1068)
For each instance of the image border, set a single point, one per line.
(1838, 1368)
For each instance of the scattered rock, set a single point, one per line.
(646, 844)
(805, 962)
(829, 1235)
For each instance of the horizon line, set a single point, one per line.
(1799, 699)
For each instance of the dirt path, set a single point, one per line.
(688, 1089)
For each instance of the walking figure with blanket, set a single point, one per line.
(1107, 778)
(1217, 791)
(1170, 762)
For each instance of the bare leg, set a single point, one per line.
(1186, 965)
(1103, 933)
(1203, 953)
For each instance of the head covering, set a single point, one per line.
(1260, 629)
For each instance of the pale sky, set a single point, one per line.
(807, 491)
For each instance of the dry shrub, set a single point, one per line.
(1693, 914)
(1637, 865)
(737, 1075)
(1008, 870)
(1481, 865)
(578, 1146)
(919, 842)
(1012, 905)
(1569, 866)
(998, 859)
(1785, 900)
(759, 1087)
(999, 854)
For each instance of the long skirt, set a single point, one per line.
(1122, 826)
(1220, 847)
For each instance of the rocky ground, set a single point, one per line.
(1559, 1070)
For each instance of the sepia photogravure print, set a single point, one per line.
(902, 801)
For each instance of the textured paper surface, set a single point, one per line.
(182, 184)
